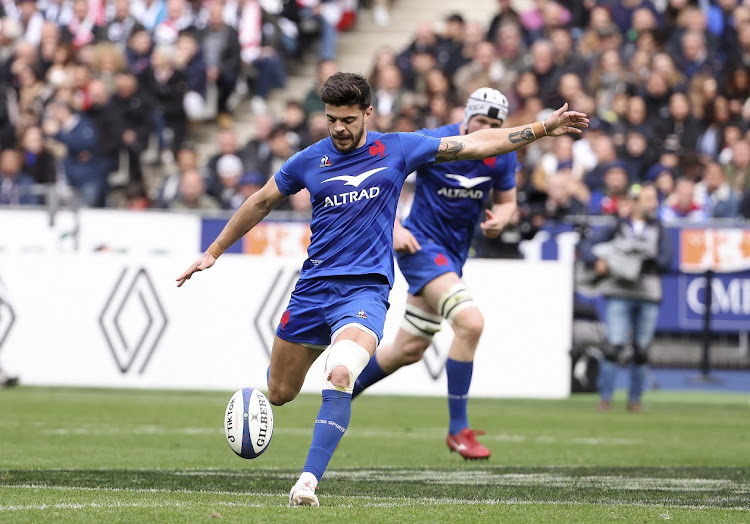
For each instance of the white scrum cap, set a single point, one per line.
(488, 102)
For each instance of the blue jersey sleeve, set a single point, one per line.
(507, 166)
(289, 178)
(419, 149)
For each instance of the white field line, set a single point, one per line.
(110, 505)
(425, 434)
(364, 501)
(488, 478)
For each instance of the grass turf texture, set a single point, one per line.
(86, 455)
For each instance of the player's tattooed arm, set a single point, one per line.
(449, 150)
(526, 134)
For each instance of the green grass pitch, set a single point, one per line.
(93, 455)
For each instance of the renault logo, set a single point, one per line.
(133, 320)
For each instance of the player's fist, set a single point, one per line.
(403, 240)
(492, 225)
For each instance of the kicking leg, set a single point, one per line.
(345, 360)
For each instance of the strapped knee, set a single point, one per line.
(420, 323)
(349, 354)
(454, 300)
(611, 353)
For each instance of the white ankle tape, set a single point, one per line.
(349, 354)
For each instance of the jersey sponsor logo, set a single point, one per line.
(351, 196)
(324, 162)
(284, 319)
(441, 260)
(468, 183)
(459, 192)
(356, 180)
(378, 149)
(467, 187)
(361, 314)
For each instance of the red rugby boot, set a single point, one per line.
(465, 443)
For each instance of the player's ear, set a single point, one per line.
(368, 113)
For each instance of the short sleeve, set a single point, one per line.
(419, 149)
(506, 166)
(289, 178)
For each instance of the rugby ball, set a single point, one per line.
(248, 423)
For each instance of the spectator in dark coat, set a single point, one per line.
(680, 124)
(169, 86)
(189, 60)
(138, 55)
(38, 161)
(109, 122)
(137, 110)
(83, 168)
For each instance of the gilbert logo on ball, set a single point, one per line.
(248, 423)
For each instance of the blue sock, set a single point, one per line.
(371, 374)
(333, 419)
(459, 380)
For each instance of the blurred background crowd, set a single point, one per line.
(106, 98)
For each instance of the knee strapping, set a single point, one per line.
(454, 300)
(420, 323)
(349, 354)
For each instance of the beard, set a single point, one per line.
(354, 143)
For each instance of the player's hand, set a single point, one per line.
(563, 121)
(404, 241)
(204, 262)
(492, 226)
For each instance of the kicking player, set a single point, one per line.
(354, 178)
(432, 247)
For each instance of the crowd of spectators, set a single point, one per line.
(86, 86)
(665, 82)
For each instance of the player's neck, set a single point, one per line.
(363, 141)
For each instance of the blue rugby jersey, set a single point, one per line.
(354, 198)
(450, 196)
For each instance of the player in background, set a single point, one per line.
(354, 178)
(432, 246)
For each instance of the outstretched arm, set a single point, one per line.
(250, 213)
(486, 143)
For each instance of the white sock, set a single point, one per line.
(307, 477)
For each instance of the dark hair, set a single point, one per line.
(346, 89)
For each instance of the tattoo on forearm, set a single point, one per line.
(519, 136)
(449, 150)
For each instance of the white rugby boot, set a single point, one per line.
(303, 495)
